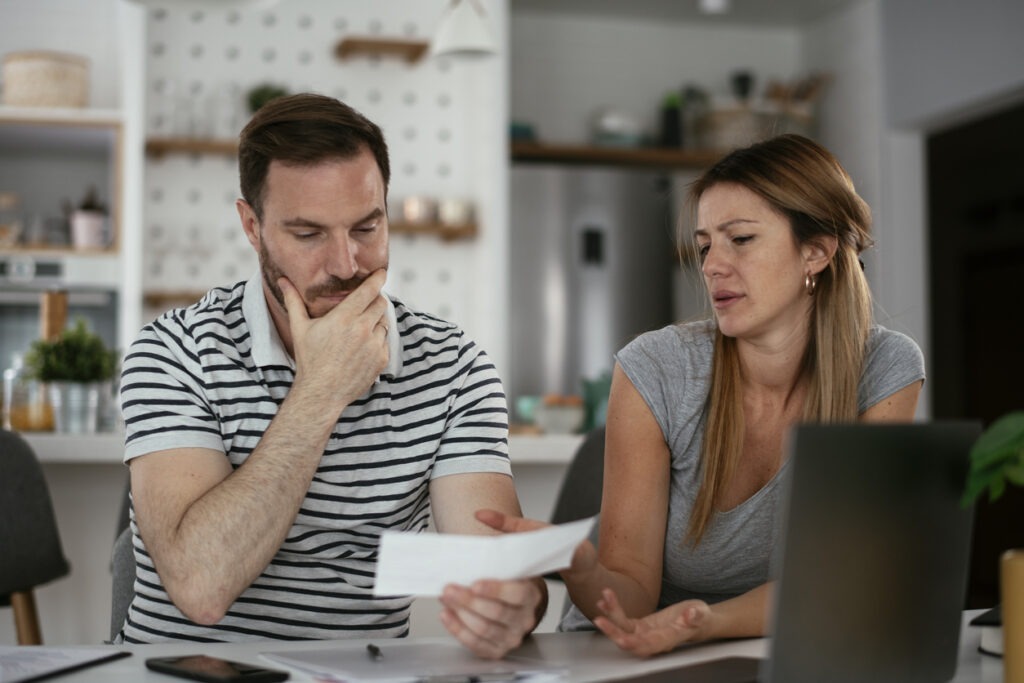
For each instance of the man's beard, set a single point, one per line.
(332, 287)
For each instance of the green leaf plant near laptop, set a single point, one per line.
(996, 459)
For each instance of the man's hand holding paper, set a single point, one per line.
(423, 564)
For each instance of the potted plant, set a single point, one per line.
(77, 367)
(997, 458)
(263, 93)
(89, 222)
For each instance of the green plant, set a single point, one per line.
(91, 202)
(261, 94)
(77, 355)
(997, 458)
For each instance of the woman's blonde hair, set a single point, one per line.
(804, 182)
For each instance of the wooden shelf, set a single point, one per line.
(447, 233)
(411, 51)
(52, 250)
(167, 299)
(635, 157)
(158, 147)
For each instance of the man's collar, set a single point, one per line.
(267, 347)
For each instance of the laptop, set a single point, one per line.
(872, 562)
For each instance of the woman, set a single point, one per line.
(698, 411)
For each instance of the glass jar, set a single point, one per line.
(26, 406)
(10, 220)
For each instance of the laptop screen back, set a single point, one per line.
(874, 554)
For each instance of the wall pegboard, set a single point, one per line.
(200, 64)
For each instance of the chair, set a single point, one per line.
(122, 565)
(123, 579)
(32, 552)
(580, 494)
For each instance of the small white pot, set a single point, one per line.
(88, 229)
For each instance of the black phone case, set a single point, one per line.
(248, 674)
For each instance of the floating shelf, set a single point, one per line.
(158, 147)
(411, 51)
(168, 299)
(53, 250)
(447, 233)
(638, 157)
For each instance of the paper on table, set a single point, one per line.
(422, 564)
(22, 664)
(402, 661)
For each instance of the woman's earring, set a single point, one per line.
(810, 283)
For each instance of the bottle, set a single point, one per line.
(1011, 573)
(26, 407)
(10, 220)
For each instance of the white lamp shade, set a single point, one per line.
(463, 31)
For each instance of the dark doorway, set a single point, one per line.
(976, 208)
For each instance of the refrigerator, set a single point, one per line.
(592, 255)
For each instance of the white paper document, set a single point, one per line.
(22, 664)
(400, 661)
(424, 563)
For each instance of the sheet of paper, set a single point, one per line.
(403, 661)
(422, 564)
(18, 664)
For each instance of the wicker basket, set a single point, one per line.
(727, 129)
(40, 78)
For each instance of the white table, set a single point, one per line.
(586, 656)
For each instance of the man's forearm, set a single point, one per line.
(228, 536)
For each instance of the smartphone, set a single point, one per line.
(214, 669)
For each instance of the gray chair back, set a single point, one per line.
(32, 552)
(123, 571)
(580, 494)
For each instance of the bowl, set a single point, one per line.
(558, 419)
(526, 407)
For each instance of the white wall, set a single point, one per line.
(946, 60)
(852, 123)
(444, 120)
(567, 68)
(81, 28)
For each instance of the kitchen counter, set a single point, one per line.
(108, 448)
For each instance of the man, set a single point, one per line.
(277, 427)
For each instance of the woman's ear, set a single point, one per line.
(818, 253)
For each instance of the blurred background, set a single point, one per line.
(537, 182)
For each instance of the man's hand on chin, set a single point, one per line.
(340, 354)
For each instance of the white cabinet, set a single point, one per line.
(50, 158)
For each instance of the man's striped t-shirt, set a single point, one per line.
(213, 376)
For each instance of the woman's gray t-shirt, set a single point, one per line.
(671, 368)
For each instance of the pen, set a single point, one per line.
(374, 652)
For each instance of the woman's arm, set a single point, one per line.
(897, 407)
(687, 621)
(634, 509)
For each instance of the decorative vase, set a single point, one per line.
(75, 406)
(88, 229)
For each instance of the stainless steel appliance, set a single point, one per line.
(592, 254)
